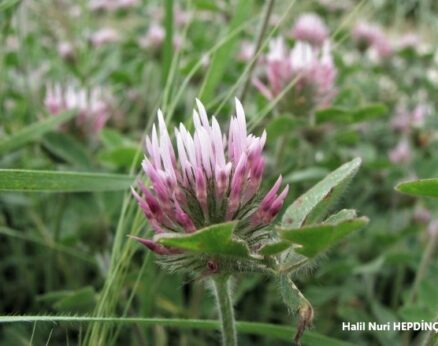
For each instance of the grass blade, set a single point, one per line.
(53, 181)
(33, 132)
(265, 329)
(222, 57)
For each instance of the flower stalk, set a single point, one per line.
(224, 302)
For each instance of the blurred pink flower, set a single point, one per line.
(405, 120)
(401, 153)
(104, 36)
(368, 35)
(92, 106)
(246, 51)
(65, 50)
(180, 16)
(111, 5)
(178, 42)
(422, 215)
(432, 229)
(408, 40)
(419, 115)
(310, 28)
(213, 179)
(401, 121)
(154, 37)
(311, 69)
(124, 4)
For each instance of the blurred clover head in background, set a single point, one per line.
(306, 75)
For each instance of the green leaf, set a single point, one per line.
(112, 138)
(313, 205)
(264, 329)
(343, 215)
(281, 125)
(33, 132)
(212, 240)
(5, 4)
(221, 59)
(121, 156)
(82, 300)
(311, 173)
(415, 313)
(370, 111)
(273, 248)
(342, 115)
(53, 181)
(421, 188)
(318, 238)
(334, 114)
(372, 267)
(67, 148)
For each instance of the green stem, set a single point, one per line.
(424, 264)
(259, 41)
(221, 284)
(431, 337)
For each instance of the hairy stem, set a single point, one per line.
(221, 284)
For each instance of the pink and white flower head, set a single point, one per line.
(432, 228)
(111, 5)
(310, 28)
(401, 154)
(367, 35)
(422, 215)
(206, 179)
(92, 106)
(408, 40)
(311, 70)
(65, 50)
(178, 42)
(126, 4)
(405, 120)
(180, 16)
(104, 36)
(246, 51)
(154, 37)
(419, 115)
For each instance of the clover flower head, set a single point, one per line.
(154, 38)
(310, 69)
(401, 153)
(104, 36)
(408, 40)
(310, 28)
(404, 119)
(111, 5)
(65, 50)
(209, 179)
(246, 51)
(368, 35)
(91, 105)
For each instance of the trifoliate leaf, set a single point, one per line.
(212, 240)
(315, 239)
(313, 205)
(274, 248)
